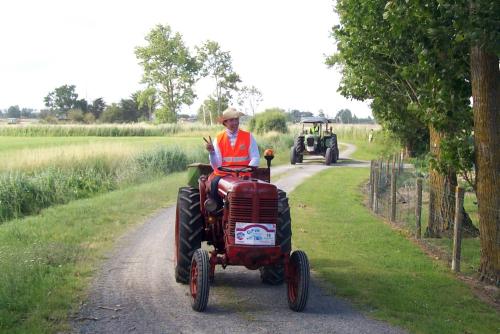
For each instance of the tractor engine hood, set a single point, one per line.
(247, 187)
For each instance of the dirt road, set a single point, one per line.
(135, 290)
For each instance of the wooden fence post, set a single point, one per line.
(372, 183)
(418, 209)
(393, 192)
(401, 158)
(457, 230)
(376, 185)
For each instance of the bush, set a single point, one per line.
(26, 193)
(270, 120)
(89, 118)
(75, 115)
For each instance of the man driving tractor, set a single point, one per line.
(231, 147)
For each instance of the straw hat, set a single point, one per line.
(230, 113)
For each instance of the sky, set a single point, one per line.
(278, 46)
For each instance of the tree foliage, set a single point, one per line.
(218, 65)
(97, 107)
(62, 99)
(273, 119)
(208, 112)
(249, 96)
(169, 68)
(14, 112)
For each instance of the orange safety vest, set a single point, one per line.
(239, 154)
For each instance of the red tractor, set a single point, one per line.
(251, 228)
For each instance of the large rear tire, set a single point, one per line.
(199, 280)
(298, 283)
(188, 231)
(335, 156)
(275, 274)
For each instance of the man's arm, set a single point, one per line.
(254, 152)
(215, 156)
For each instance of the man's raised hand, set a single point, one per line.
(209, 146)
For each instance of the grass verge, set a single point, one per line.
(47, 260)
(376, 268)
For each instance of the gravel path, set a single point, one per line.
(135, 290)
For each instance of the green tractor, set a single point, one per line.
(315, 138)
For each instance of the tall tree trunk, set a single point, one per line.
(442, 198)
(485, 93)
(441, 192)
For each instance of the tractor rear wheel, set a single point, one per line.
(198, 281)
(328, 156)
(275, 274)
(300, 158)
(188, 231)
(298, 282)
(293, 155)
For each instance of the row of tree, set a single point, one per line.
(17, 112)
(420, 63)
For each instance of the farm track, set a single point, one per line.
(135, 290)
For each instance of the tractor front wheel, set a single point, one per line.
(199, 280)
(293, 155)
(328, 156)
(298, 281)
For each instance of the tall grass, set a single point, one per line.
(104, 130)
(34, 153)
(25, 193)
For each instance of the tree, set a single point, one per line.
(61, 100)
(484, 37)
(124, 112)
(406, 56)
(111, 114)
(147, 101)
(27, 112)
(169, 68)
(14, 112)
(251, 96)
(344, 116)
(273, 119)
(97, 107)
(217, 64)
(81, 104)
(208, 111)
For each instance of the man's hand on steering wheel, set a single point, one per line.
(237, 169)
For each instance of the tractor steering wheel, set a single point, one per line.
(236, 169)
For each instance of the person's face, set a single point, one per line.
(232, 124)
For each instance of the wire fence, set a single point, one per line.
(399, 193)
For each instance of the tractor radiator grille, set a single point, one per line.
(250, 210)
(310, 141)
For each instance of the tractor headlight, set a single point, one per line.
(210, 205)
